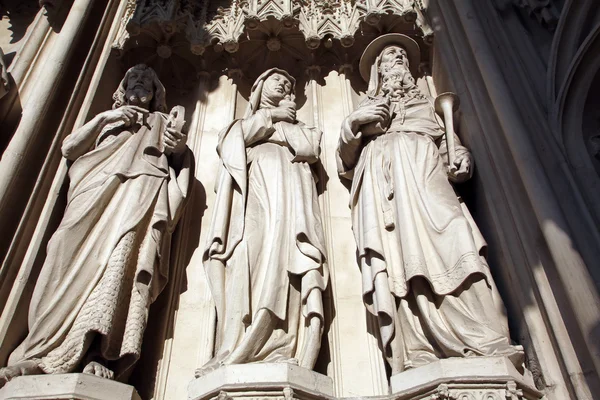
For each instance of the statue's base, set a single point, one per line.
(261, 381)
(67, 386)
(475, 378)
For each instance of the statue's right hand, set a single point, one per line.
(283, 113)
(126, 114)
(367, 114)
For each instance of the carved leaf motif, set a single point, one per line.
(316, 19)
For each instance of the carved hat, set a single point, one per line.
(257, 88)
(370, 58)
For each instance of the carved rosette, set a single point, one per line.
(221, 23)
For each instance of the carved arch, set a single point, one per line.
(573, 92)
(573, 27)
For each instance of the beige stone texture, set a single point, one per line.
(261, 379)
(472, 376)
(67, 387)
(109, 258)
(526, 73)
(265, 256)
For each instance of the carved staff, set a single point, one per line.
(446, 104)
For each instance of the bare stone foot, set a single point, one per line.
(30, 367)
(419, 359)
(207, 369)
(95, 368)
(292, 361)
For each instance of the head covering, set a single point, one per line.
(369, 62)
(257, 88)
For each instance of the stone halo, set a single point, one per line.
(374, 48)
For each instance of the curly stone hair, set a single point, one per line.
(158, 102)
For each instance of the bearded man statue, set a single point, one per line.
(109, 258)
(265, 256)
(421, 255)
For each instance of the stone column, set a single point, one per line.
(21, 258)
(518, 204)
(33, 44)
(184, 241)
(577, 281)
(356, 362)
(22, 148)
(191, 341)
(22, 64)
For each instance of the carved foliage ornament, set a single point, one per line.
(222, 23)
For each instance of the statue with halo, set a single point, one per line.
(422, 257)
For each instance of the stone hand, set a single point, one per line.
(126, 114)
(174, 141)
(463, 172)
(368, 114)
(285, 113)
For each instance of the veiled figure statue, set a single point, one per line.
(421, 255)
(265, 255)
(109, 258)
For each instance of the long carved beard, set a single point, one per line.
(394, 69)
(138, 96)
(397, 83)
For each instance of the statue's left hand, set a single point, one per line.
(463, 172)
(174, 141)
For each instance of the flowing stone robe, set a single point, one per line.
(4, 80)
(421, 255)
(266, 248)
(109, 258)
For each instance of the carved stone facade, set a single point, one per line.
(270, 283)
(222, 23)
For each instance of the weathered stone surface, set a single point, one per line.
(67, 387)
(204, 24)
(109, 259)
(262, 380)
(473, 378)
(421, 254)
(527, 79)
(4, 80)
(265, 254)
(477, 378)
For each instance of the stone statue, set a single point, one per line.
(109, 258)
(421, 255)
(4, 80)
(265, 255)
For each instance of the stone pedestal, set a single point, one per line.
(67, 386)
(261, 381)
(477, 378)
